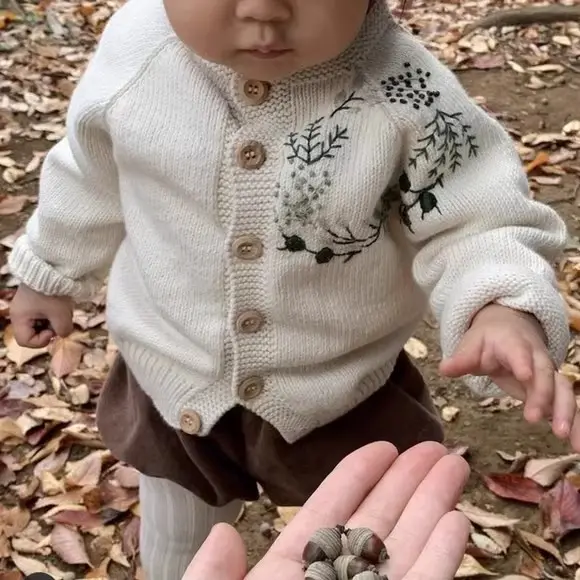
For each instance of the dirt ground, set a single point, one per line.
(483, 429)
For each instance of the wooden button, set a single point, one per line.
(190, 422)
(248, 247)
(251, 388)
(249, 322)
(255, 92)
(252, 155)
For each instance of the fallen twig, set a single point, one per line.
(525, 16)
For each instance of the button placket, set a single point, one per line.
(251, 155)
(249, 322)
(248, 247)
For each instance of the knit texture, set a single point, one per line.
(383, 185)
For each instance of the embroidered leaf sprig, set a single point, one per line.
(310, 146)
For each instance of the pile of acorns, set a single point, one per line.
(324, 559)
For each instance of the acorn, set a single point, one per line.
(321, 571)
(366, 544)
(347, 567)
(369, 575)
(325, 544)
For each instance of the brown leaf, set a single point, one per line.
(9, 428)
(19, 355)
(69, 545)
(560, 509)
(87, 471)
(471, 567)
(127, 476)
(66, 356)
(80, 518)
(130, 537)
(487, 546)
(27, 565)
(514, 486)
(4, 546)
(13, 520)
(541, 544)
(488, 61)
(484, 518)
(541, 158)
(14, 575)
(547, 471)
(11, 204)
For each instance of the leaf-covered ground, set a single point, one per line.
(69, 508)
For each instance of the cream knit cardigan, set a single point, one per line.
(377, 185)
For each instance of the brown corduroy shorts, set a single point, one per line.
(243, 449)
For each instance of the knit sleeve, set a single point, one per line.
(72, 237)
(479, 237)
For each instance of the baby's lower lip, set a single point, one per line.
(267, 54)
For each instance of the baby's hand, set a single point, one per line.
(36, 318)
(510, 348)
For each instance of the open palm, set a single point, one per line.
(407, 499)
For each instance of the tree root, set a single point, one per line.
(526, 16)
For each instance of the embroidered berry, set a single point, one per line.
(324, 256)
(404, 182)
(428, 203)
(295, 244)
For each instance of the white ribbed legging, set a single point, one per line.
(174, 524)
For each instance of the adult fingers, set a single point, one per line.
(443, 551)
(335, 500)
(436, 495)
(384, 505)
(565, 407)
(222, 555)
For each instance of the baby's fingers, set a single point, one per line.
(565, 408)
(540, 398)
(28, 333)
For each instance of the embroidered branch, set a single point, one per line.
(310, 146)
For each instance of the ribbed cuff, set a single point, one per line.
(515, 287)
(41, 277)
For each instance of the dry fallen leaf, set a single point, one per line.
(471, 567)
(560, 509)
(69, 545)
(547, 471)
(484, 518)
(19, 354)
(514, 486)
(541, 544)
(66, 356)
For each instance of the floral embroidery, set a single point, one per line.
(446, 144)
(302, 206)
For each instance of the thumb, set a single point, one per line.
(222, 555)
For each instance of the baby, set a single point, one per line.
(277, 190)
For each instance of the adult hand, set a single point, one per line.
(407, 499)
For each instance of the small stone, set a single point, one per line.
(449, 414)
